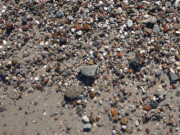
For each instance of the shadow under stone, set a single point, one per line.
(88, 81)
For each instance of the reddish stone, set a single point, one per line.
(120, 55)
(147, 107)
(78, 27)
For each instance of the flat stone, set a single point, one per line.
(172, 76)
(87, 127)
(85, 119)
(156, 28)
(161, 93)
(129, 23)
(89, 71)
(73, 91)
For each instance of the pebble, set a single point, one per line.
(89, 71)
(129, 23)
(156, 29)
(85, 119)
(173, 76)
(87, 127)
(2, 109)
(59, 13)
(73, 91)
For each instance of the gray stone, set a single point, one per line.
(161, 93)
(59, 13)
(156, 28)
(2, 109)
(129, 23)
(158, 73)
(85, 119)
(87, 127)
(178, 93)
(172, 76)
(73, 91)
(89, 71)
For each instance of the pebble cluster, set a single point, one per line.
(106, 66)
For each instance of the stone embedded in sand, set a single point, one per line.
(148, 31)
(63, 40)
(147, 107)
(113, 111)
(124, 121)
(153, 104)
(172, 76)
(91, 62)
(85, 119)
(129, 23)
(87, 127)
(2, 109)
(54, 35)
(73, 91)
(59, 13)
(89, 71)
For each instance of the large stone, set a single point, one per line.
(85, 119)
(173, 76)
(89, 71)
(73, 91)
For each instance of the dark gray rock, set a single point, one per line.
(2, 109)
(89, 71)
(158, 73)
(73, 91)
(154, 104)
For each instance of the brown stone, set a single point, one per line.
(148, 31)
(14, 61)
(86, 27)
(147, 107)
(113, 111)
(124, 121)
(91, 62)
(54, 35)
